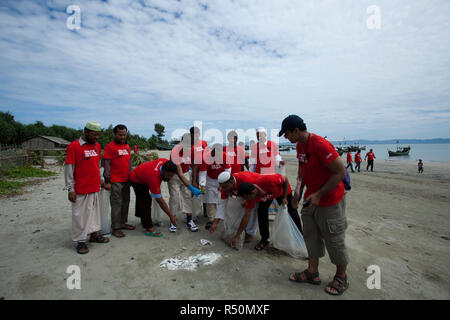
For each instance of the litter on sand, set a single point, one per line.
(190, 263)
(204, 242)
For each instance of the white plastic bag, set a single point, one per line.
(233, 218)
(105, 211)
(197, 207)
(286, 236)
(281, 169)
(156, 213)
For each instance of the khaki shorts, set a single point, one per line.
(325, 227)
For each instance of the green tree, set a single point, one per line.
(159, 129)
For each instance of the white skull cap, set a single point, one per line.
(224, 177)
(260, 129)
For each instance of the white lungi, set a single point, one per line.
(211, 191)
(252, 225)
(180, 195)
(85, 216)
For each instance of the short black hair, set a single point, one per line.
(245, 189)
(170, 166)
(194, 130)
(120, 127)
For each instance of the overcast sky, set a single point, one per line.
(231, 64)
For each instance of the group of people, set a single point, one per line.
(215, 173)
(370, 156)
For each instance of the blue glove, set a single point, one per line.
(196, 192)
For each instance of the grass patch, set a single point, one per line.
(24, 172)
(10, 187)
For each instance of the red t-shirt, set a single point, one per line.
(349, 157)
(149, 174)
(120, 155)
(177, 156)
(271, 186)
(212, 168)
(236, 158)
(264, 157)
(314, 158)
(197, 152)
(370, 155)
(240, 177)
(86, 161)
(357, 157)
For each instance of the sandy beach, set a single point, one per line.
(397, 220)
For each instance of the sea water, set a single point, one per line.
(432, 152)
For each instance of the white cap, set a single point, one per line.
(224, 177)
(260, 129)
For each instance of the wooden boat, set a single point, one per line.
(401, 151)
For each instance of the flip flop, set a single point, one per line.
(155, 234)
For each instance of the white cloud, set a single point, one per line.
(143, 62)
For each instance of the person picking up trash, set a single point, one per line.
(228, 186)
(146, 181)
(265, 189)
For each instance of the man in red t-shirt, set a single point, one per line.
(228, 186)
(265, 189)
(117, 156)
(369, 156)
(264, 155)
(324, 222)
(215, 162)
(146, 181)
(180, 196)
(349, 161)
(82, 177)
(198, 147)
(236, 156)
(358, 160)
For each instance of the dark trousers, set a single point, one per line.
(263, 216)
(120, 201)
(369, 164)
(349, 164)
(143, 204)
(358, 166)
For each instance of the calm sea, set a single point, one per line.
(439, 152)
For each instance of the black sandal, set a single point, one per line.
(99, 239)
(261, 245)
(309, 277)
(343, 284)
(82, 248)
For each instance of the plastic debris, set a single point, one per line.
(204, 242)
(190, 263)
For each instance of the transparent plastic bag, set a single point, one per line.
(233, 218)
(197, 207)
(285, 235)
(281, 169)
(105, 211)
(156, 213)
